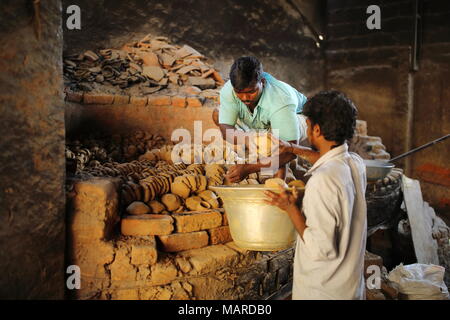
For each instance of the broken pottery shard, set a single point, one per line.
(150, 90)
(167, 60)
(187, 69)
(95, 69)
(155, 73)
(90, 55)
(135, 66)
(99, 78)
(187, 51)
(150, 59)
(208, 73)
(163, 81)
(202, 83)
(70, 63)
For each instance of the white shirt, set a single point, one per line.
(329, 260)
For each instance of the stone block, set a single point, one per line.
(219, 235)
(163, 273)
(94, 212)
(195, 221)
(211, 258)
(147, 225)
(144, 253)
(183, 241)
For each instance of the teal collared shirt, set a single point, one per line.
(277, 108)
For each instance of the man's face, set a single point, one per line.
(250, 96)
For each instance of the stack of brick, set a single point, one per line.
(137, 71)
(180, 231)
(147, 265)
(368, 147)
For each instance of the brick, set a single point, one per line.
(194, 101)
(371, 259)
(219, 235)
(147, 225)
(195, 221)
(162, 273)
(144, 253)
(138, 101)
(123, 273)
(179, 101)
(94, 211)
(183, 241)
(74, 96)
(98, 98)
(121, 99)
(159, 100)
(211, 258)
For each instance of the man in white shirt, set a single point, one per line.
(332, 223)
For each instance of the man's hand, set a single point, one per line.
(237, 173)
(285, 200)
(283, 146)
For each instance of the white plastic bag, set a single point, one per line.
(420, 281)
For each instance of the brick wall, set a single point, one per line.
(32, 152)
(193, 259)
(405, 108)
(271, 30)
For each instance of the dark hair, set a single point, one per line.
(334, 113)
(245, 72)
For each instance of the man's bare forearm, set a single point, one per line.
(305, 153)
(283, 159)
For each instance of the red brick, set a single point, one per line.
(138, 101)
(121, 99)
(183, 241)
(219, 235)
(159, 100)
(179, 102)
(74, 96)
(147, 225)
(98, 98)
(194, 102)
(195, 221)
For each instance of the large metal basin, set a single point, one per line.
(255, 225)
(376, 169)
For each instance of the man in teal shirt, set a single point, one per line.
(254, 100)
